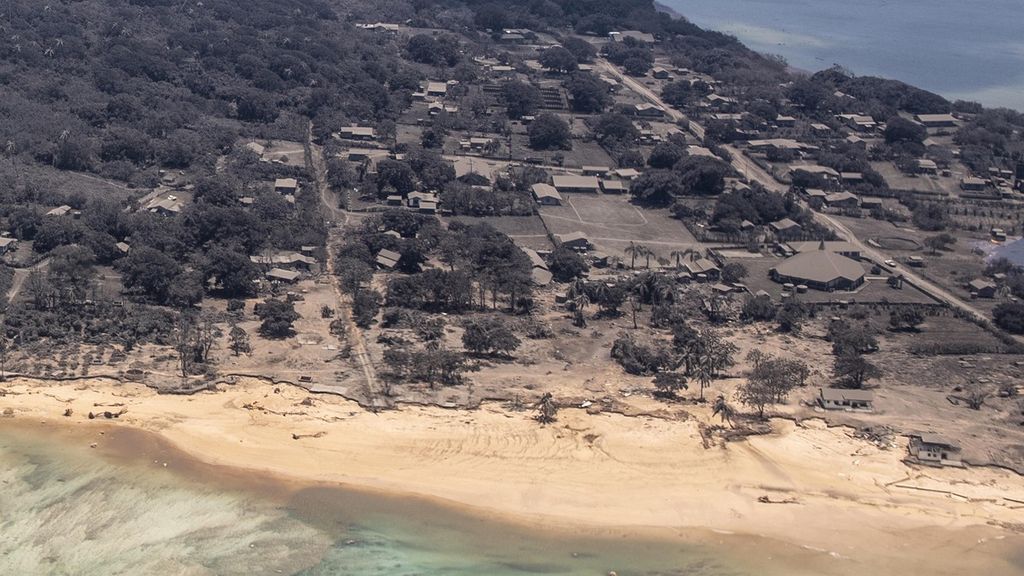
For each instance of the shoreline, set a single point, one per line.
(586, 474)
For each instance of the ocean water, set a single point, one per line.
(135, 506)
(969, 49)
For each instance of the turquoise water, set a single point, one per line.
(970, 49)
(134, 506)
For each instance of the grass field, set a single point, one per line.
(611, 223)
(526, 231)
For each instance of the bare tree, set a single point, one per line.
(183, 344)
(547, 410)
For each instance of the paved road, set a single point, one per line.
(753, 172)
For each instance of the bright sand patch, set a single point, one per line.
(600, 471)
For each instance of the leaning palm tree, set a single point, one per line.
(723, 409)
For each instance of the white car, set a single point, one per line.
(890, 263)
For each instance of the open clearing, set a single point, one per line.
(611, 223)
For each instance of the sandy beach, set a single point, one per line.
(858, 505)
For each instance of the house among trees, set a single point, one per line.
(721, 103)
(286, 185)
(573, 183)
(60, 211)
(973, 183)
(842, 200)
(928, 448)
(546, 194)
(439, 89)
(858, 122)
(843, 399)
(357, 133)
(926, 166)
(387, 259)
(785, 121)
(647, 110)
(7, 244)
(641, 37)
(818, 193)
(936, 120)
(702, 269)
(823, 172)
(851, 178)
(820, 269)
(982, 288)
(282, 275)
(169, 206)
(785, 227)
(475, 144)
(380, 27)
(575, 240)
(284, 260)
(820, 130)
(627, 173)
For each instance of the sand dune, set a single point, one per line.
(586, 470)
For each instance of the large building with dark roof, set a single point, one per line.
(820, 269)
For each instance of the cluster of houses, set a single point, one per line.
(591, 180)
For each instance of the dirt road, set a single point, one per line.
(318, 169)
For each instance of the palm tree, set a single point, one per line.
(723, 409)
(579, 303)
(633, 250)
(705, 373)
(635, 306)
(642, 291)
(647, 255)
(663, 290)
(680, 255)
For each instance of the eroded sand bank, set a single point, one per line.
(846, 498)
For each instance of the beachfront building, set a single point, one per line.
(933, 449)
(843, 399)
